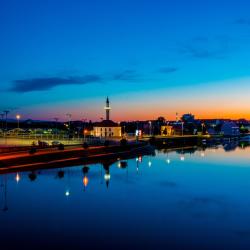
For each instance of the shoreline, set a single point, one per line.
(68, 157)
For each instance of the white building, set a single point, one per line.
(107, 128)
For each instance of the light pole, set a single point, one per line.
(124, 131)
(202, 128)
(56, 119)
(137, 128)
(2, 116)
(182, 123)
(18, 118)
(69, 117)
(6, 112)
(84, 120)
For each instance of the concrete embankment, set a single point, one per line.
(177, 141)
(61, 158)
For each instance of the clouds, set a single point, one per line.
(243, 21)
(47, 83)
(205, 207)
(168, 70)
(202, 53)
(126, 75)
(217, 47)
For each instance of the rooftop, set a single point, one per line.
(106, 123)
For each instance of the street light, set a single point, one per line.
(6, 112)
(2, 116)
(182, 123)
(18, 118)
(150, 127)
(56, 119)
(69, 117)
(84, 131)
(124, 131)
(202, 128)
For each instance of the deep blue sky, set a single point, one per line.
(151, 57)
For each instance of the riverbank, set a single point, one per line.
(48, 158)
(10, 142)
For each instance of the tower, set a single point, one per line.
(107, 108)
(176, 116)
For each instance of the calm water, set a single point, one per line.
(173, 200)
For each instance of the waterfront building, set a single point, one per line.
(230, 128)
(167, 130)
(107, 127)
(212, 131)
(188, 118)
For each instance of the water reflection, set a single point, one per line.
(17, 177)
(4, 183)
(32, 176)
(85, 181)
(203, 197)
(227, 146)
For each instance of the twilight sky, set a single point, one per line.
(151, 57)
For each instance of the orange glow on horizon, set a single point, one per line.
(135, 115)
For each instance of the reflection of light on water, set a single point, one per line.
(202, 154)
(149, 163)
(17, 178)
(168, 161)
(67, 193)
(85, 181)
(107, 177)
(182, 158)
(139, 159)
(119, 164)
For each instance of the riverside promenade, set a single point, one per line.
(54, 157)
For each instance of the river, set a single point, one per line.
(184, 199)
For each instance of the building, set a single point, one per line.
(188, 118)
(107, 128)
(230, 128)
(167, 130)
(212, 131)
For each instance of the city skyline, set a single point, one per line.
(151, 59)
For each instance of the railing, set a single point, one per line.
(18, 140)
